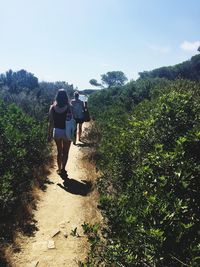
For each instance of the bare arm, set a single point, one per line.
(50, 125)
(83, 106)
(86, 107)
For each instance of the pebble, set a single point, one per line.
(65, 234)
(51, 244)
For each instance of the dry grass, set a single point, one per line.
(22, 220)
(88, 164)
(91, 202)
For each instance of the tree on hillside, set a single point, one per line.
(114, 78)
(110, 79)
(95, 83)
(19, 81)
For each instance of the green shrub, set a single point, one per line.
(22, 150)
(150, 167)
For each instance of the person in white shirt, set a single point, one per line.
(78, 109)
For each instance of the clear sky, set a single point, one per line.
(77, 40)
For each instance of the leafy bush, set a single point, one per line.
(125, 97)
(150, 167)
(22, 150)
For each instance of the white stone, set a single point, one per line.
(51, 244)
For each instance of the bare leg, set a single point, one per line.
(65, 153)
(59, 153)
(75, 134)
(79, 131)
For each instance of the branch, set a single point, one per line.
(179, 260)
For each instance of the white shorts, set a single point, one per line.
(59, 134)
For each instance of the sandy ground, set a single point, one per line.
(62, 208)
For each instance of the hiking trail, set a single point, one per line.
(61, 210)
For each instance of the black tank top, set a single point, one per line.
(60, 118)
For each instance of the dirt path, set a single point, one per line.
(62, 208)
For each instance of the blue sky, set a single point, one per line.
(77, 40)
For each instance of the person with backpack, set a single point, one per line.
(78, 109)
(59, 112)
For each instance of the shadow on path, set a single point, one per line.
(85, 144)
(44, 182)
(29, 229)
(75, 187)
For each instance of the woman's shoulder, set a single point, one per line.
(73, 101)
(51, 108)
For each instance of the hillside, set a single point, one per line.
(145, 139)
(189, 69)
(148, 154)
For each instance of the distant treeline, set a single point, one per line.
(88, 91)
(22, 87)
(187, 70)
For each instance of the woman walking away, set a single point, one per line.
(58, 113)
(78, 113)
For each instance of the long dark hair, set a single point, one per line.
(61, 98)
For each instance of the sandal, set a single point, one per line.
(63, 171)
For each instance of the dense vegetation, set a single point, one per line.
(22, 150)
(23, 89)
(187, 70)
(148, 155)
(150, 164)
